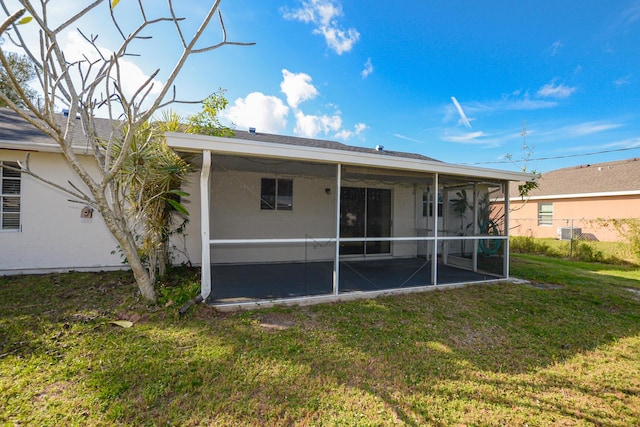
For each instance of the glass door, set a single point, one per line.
(365, 212)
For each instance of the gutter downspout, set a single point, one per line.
(336, 262)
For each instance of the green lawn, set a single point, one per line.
(564, 350)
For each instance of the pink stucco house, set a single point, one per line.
(573, 201)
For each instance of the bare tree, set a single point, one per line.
(23, 72)
(88, 86)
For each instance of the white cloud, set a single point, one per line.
(553, 90)
(310, 125)
(628, 17)
(525, 104)
(360, 127)
(323, 15)
(463, 117)
(516, 101)
(466, 138)
(406, 138)
(368, 69)
(267, 114)
(297, 87)
(626, 143)
(555, 47)
(77, 48)
(337, 39)
(622, 81)
(345, 134)
(588, 128)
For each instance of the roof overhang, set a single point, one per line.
(581, 195)
(235, 146)
(39, 147)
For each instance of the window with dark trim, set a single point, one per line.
(10, 187)
(276, 194)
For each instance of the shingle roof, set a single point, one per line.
(622, 175)
(14, 128)
(320, 143)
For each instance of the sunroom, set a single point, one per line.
(294, 220)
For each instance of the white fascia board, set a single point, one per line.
(581, 195)
(236, 146)
(40, 147)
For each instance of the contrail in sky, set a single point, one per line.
(463, 117)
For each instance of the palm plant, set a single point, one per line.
(460, 206)
(149, 184)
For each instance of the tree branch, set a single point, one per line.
(11, 19)
(26, 169)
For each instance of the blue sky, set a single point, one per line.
(451, 79)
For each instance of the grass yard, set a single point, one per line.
(584, 250)
(563, 350)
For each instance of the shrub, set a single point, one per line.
(583, 251)
(179, 285)
(529, 245)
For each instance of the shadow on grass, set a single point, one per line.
(490, 354)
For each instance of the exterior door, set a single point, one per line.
(365, 212)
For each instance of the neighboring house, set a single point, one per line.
(286, 218)
(572, 201)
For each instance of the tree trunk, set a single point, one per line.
(129, 249)
(140, 273)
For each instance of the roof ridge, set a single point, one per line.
(590, 165)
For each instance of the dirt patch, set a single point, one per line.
(478, 337)
(54, 390)
(635, 292)
(544, 285)
(277, 322)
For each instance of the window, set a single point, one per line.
(427, 203)
(276, 194)
(545, 213)
(9, 197)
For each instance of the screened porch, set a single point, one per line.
(285, 228)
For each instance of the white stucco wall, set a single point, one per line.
(236, 214)
(186, 247)
(53, 236)
(404, 219)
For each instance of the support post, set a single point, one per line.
(474, 254)
(205, 278)
(434, 258)
(505, 269)
(336, 262)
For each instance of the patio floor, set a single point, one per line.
(254, 282)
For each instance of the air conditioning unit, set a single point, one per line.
(569, 233)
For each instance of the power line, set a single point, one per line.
(567, 156)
